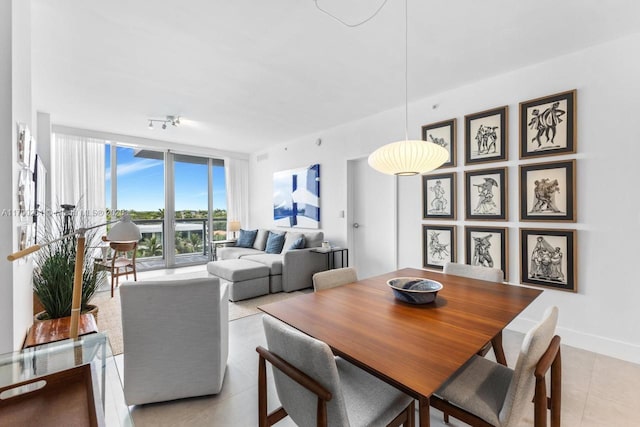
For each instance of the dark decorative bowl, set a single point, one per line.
(414, 290)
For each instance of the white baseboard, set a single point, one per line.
(597, 344)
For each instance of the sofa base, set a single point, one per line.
(246, 279)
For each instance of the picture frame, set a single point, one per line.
(548, 258)
(486, 194)
(548, 125)
(444, 134)
(24, 141)
(487, 247)
(486, 136)
(439, 196)
(296, 197)
(438, 245)
(548, 191)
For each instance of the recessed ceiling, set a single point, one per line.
(249, 74)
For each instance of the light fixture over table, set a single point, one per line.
(408, 157)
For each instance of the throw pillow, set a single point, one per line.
(246, 238)
(261, 239)
(298, 244)
(274, 243)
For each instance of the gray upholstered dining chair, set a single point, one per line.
(176, 338)
(490, 275)
(316, 388)
(484, 393)
(332, 278)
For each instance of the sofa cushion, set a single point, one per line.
(246, 238)
(234, 252)
(273, 261)
(261, 239)
(274, 243)
(290, 239)
(237, 270)
(313, 239)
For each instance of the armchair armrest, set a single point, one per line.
(267, 419)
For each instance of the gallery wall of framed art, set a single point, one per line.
(546, 192)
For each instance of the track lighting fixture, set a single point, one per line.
(173, 120)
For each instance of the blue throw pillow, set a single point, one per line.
(274, 243)
(298, 244)
(246, 238)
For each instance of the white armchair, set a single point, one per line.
(176, 338)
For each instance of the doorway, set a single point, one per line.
(372, 219)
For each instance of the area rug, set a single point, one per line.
(110, 318)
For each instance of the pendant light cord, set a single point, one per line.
(406, 52)
(346, 23)
(406, 70)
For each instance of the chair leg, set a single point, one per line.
(498, 350)
(556, 390)
(112, 282)
(262, 393)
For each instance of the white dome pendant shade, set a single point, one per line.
(408, 157)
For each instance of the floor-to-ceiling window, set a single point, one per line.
(178, 201)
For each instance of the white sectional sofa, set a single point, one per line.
(289, 270)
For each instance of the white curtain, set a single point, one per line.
(237, 178)
(78, 176)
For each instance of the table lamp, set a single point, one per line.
(234, 227)
(123, 231)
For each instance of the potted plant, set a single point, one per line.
(53, 272)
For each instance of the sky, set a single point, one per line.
(141, 183)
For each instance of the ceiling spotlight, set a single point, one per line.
(173, 120)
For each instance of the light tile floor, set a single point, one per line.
(597, 390)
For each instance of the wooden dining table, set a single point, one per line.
(415, 348)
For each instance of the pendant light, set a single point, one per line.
(408, 157)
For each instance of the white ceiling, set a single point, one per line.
(250, 73)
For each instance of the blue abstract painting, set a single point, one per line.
(296, 197)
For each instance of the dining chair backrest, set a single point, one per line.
(124, 247)
(314, 358)
(474, 272)
(332, 278)
(521, 388)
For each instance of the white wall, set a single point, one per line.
(603, 315)
(15, 106)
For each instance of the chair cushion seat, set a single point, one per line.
(479, 387)
(237, 270)
(369, 401)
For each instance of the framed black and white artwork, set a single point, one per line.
(548, 258)
(487, 247)
(439, 196)
(485, 136)
(548, 125)
(548, 191)
(486, 194)
(438, 245)
(444, 134)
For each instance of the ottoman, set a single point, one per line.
(247, 279)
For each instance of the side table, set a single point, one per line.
(216, 243)
(29, 365)
(331, 256)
